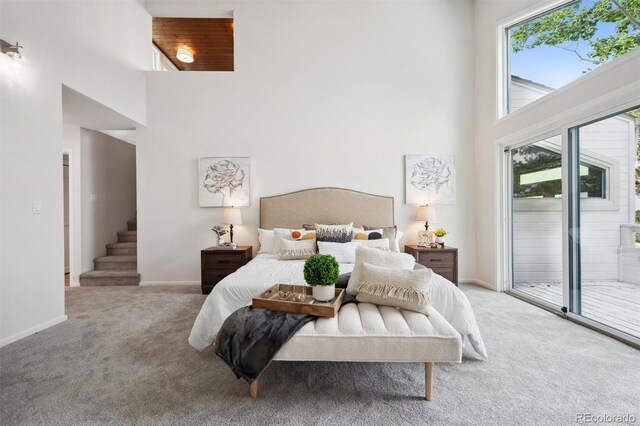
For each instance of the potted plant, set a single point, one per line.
(440, 233)
(220, 232)
(321, 272)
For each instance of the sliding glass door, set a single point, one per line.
(573, 235)
(536, 225)
(604, 250)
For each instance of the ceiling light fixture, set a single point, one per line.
(184, 55)
(13, 52)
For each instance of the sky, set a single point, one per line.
(553, 66)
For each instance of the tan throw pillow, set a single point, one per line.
(379, 258)
(300, 249)
(401, 288)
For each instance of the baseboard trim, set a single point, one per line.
(478, 282)
(32, 330)
(147, 283)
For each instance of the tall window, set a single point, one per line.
(552, 49)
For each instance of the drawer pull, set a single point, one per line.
(435, 260)
(223, 261)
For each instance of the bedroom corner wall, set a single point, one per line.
(324, 94)
(100, 49)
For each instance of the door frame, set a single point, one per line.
(73, 267)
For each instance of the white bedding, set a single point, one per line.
(265, 270)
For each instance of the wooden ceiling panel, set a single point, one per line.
(209, 39)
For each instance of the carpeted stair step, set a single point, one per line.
(127, 236)
(132, 225)
(122, 249)
(115, 263)
(108, 278)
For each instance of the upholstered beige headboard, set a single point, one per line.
(325, 205)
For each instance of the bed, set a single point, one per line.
(321, 205)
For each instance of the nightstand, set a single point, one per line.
(216, 264)
(442, 261)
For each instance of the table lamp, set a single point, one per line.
(426, 214)
(231, 216)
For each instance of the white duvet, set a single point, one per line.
(265, 270)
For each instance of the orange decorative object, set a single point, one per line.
(296, 234)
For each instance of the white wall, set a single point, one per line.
(610, 88)
(324, 94)
(98, 48)
(109, 173)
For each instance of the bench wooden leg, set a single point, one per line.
(253, 390)
(428, 380)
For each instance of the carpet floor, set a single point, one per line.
(123, 358)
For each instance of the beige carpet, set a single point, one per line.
(123, 358)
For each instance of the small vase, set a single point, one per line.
(220, 241)
(324, 293)
(440, 240)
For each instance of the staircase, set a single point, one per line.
(120, 265)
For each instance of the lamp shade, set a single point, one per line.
(426, 214)
(231, 216)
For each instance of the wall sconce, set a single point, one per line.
(13, 52)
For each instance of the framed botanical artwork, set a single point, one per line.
(224, 181)
(430, 179)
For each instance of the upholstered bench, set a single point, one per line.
(368, 333)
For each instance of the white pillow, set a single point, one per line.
(394, 244)
(282, 234)
(401, 288)
(266, 239)
(376, 257)
(297, 249)
(346, 252)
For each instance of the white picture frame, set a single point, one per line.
(430, 179)
(224, 181)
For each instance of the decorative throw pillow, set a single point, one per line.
(266, 239)
(401, 288)
(390, 232)
(300, 249)
(379, 258)
(282, 234)
(346, 252)
(303, 235)
(361, 234)
(334, 233)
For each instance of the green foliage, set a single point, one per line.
(219, 230)
(440, 232)
(569, 26)
(321, 269)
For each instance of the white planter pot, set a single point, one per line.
(439, 239)
(324, 293)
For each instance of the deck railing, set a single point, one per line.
(629, 254)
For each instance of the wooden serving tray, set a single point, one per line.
(269, 299)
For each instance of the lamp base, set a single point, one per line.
(425, 238)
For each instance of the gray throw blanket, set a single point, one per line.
(250, 338)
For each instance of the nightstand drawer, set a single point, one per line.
(223, 261)
(213, 277)
(436, 260)
(448, 273)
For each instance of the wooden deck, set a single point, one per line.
(613, 303)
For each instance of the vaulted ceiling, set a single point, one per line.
(209, 39)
